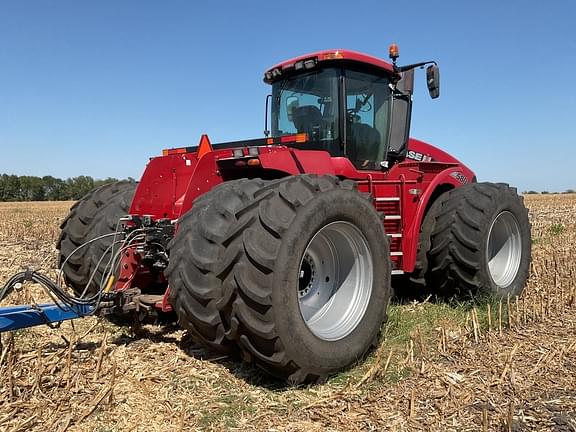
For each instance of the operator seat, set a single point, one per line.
(363, 142)
(306, 118)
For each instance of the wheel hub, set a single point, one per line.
(335, 281)
(307, 274)
(504, 249)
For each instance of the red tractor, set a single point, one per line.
(283, 248)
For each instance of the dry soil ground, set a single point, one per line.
(439, 367)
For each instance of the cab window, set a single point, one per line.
(368, 101)
(308, 103)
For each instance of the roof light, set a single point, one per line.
(393, 51)
(310, 63)
(299, 65)
(238, 153)
(333, 55)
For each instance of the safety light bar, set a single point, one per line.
(172, 151)
(287, 139)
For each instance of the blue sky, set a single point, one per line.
(97, 87)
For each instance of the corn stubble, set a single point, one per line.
(507, 365)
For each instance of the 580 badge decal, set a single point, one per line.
(459, 176)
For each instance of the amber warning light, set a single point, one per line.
(393, 52)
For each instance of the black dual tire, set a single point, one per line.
(235, 265)
(200, 274)
(417, 279)
(94, 215)
(480, 242)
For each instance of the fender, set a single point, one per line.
(210, 169)
(456, 176)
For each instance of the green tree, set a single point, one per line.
(55, 189)
(31, 189)
(11, 188)
(98, 183)
(80, 186)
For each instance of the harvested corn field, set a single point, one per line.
(440, 366)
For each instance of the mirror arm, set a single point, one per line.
(413, 66)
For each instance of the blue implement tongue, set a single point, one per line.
(18, 317)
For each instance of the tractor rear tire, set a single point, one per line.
(199, 271)
(94, 215)
(298, 272)
(480, 243)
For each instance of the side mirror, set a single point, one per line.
(433, 80)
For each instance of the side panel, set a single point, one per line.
(204, 178)
(164, 181)
(424, 152)
(403, 196)
(294, 161)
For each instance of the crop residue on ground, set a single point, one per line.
(440, 366)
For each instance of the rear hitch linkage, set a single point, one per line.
(149, 240)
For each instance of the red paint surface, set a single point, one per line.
(171, 183)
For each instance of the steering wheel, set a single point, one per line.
(352, 115)
(366, 106)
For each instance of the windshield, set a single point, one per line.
(307, 103)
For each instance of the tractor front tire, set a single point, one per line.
(94, 215)
(417, 278)
(480, 243)
(296, 271)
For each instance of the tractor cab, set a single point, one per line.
(348, 104)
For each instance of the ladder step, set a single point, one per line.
(382, 199)
(395, 235)
(399, 253)
(397, 272)
(392, 217)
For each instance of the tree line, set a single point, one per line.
(47, 188)
(532, 192)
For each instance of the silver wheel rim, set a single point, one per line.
(335, 281)
(504, 249)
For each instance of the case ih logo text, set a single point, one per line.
(420, 157)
